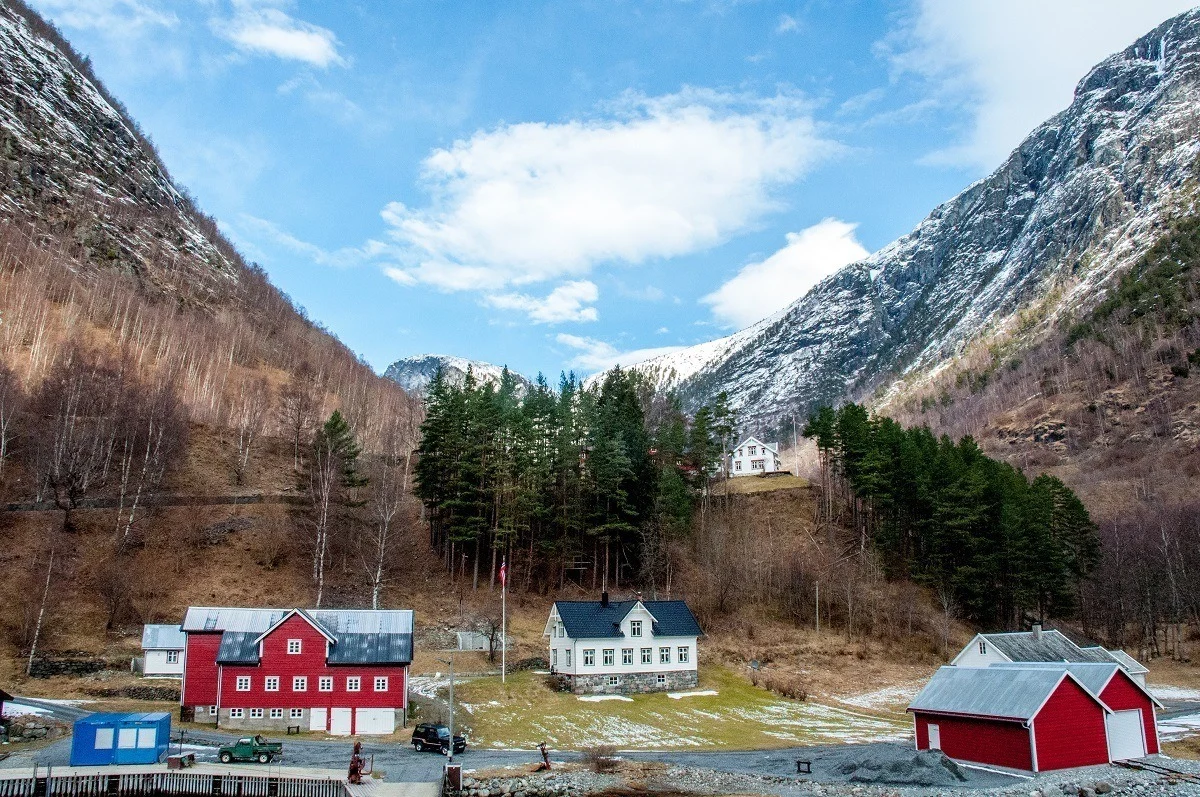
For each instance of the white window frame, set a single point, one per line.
(296, 713)
(568, 652)
(647, 655)
(610, 657)
(381, 683)
(554, 657)
(664, 655)
(271, 683)
(626, 655)
(982, 648)
(243, 683)
(589, 657)
(172, 657)
(256, 713)
(662, 680)
(325, 683)
(237, 713)
(614, 680)
(276, 713)
(212, 710)
(683, 654)
(353, 683)
(635, 627)
(295, 646)
(299, 683)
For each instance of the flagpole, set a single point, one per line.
(504, 623)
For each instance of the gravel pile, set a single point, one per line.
(918, 768)
(546, 784)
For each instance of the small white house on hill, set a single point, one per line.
(163, 646)
(1042, 646)
(614, 647)
(752, 457)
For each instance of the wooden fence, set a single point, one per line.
(167, 783)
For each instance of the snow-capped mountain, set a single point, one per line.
(1080, 199)
(415, 373)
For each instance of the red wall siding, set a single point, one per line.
(1070, 730)
(1123, 694)
(983, 741)
(310, 662)
(200, 670)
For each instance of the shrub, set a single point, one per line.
(601, 757)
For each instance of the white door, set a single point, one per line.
(339, 721)
(1125, 737)
(935, 737)
(316, 719)
(375, 721)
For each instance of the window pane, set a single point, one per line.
(104, 738)
(127, 738)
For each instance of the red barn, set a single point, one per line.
(340, 671)
(1132, 725)
(1030, 718)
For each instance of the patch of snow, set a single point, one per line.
(696, 693)
(598, 698)
(884, 698)
(15, 709)
(1178, 727)
(1174, 693)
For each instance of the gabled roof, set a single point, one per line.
(163, 637)
(773, 447)
(1046, 646)
(1014, 693)
(357, 636)
(1130, 664)
(591, 620)
(308, 618)
(1093, 676)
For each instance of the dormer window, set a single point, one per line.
(294, 646)
(635, 627)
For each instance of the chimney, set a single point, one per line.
(1037, 630)
(639, 597)
(604, 600)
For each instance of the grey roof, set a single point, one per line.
(163, 637)
(361, 636)
(590, 620)
(1048, 646)
(1094, 677)
(1015, 693)
(1130, 664)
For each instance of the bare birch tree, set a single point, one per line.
(249, 419)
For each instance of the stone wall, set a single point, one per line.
(630, 683)
(265, 723)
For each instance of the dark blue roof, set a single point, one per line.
(591, 620)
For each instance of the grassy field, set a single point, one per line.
(762, 484)
(526, 710)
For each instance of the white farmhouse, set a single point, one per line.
(163, 646)
(752, 457)
(613, 647)
(1042, 646)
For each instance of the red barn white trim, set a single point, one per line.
(338, 671)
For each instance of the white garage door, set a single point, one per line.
(339, 721)
(375, 720)
(1125, 738)
(316, 719)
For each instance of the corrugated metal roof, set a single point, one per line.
(1047, 646)
(109, 718)
(1130, 664)
(590, 620)
(1006, 692)
(361, 636)
(163, 637)
(1093, 676)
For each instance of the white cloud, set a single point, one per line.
(1015, 63)
(254, 229)
(263, 29)
(787, 24)
(763, 288)
(111, 17)
(658, 178)
(593, 355)
(570, 301)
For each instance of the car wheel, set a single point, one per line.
(419, 746)
(444, 748)
(226, 758)
(263, 758)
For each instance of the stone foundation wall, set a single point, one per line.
(630, 683)
(264, 723)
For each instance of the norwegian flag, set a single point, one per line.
(504, 574)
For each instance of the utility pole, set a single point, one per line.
(504, 621)
(450, 747)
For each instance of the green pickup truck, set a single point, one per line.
(250, 748)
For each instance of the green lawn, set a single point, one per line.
(526, 710)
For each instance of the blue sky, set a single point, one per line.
(561, 184)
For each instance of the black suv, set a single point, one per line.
(435, 737)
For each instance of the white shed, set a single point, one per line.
(163, 646)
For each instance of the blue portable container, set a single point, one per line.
(103, 739)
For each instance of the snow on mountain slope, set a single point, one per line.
(1084, 195)
(415, 373)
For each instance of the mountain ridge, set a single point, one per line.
(415, 373)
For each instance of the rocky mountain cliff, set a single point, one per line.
(1081, 198)
(415, 373)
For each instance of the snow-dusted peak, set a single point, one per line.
(415, 373)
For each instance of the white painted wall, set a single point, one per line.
(559, 645)
(156, 663)
(741, 461)
(973, 655)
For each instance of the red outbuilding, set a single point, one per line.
(1031, 718)
(338, 671)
